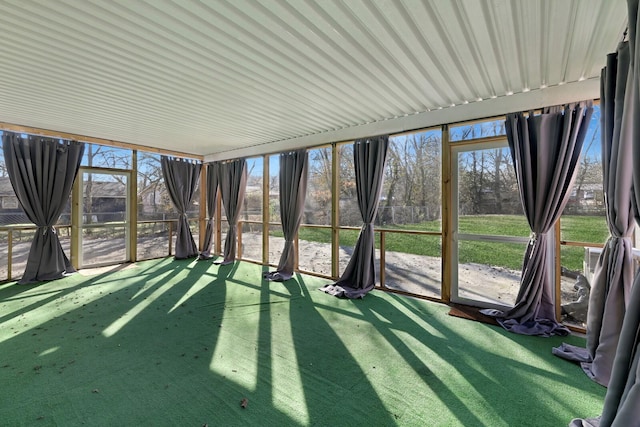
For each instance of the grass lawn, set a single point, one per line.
(588, 229)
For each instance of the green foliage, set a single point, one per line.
(322, 235)
(507, 255)
(350, 237)
(414, 244)
(494, 225)
(572, 257)
(580, 228)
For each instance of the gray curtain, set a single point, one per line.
(293, 191)
(545, 149)
(181, 179)
(360, 276)
(42, 171)
(613, 274)
(233, 185)
(622, 402)
(213, 175)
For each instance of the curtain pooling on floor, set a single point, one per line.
(545, 149)
(359, 277)
(613, 275)
(293, 191)
(42, 171)
(233, 185)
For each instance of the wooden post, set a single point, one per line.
(170, 237)
(335, 218)
(132, 220)
(558, 271)
(9, 254)
(383, 273)
(266, 214)
(76, 219)
(202, 223)
(447, 221)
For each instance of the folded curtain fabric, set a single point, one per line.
(42, 171)
(181, 179)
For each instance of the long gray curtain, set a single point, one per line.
(622, 402)
(181, 179)
(233, 185)
(613, 274)
(213, 174)
(42, 171)
(359, 277)
(545, 149)
(293, 192)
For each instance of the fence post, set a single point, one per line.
(9, 253)
(170, 235)
(240, 226)
(383, 258)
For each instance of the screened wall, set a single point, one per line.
(449, 226)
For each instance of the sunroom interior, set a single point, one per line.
(217, 81)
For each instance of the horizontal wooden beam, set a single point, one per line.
(93, 140)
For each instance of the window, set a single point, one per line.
(347, 196)
(155, 209)
(411, 204)
(315, 238)
(10, 202)
(489, 227)
(483, 129)
(251, 216)
(317, 209)
(103, 156)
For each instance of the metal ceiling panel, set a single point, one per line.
(222, 78)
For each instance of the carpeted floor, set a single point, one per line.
(184, 343)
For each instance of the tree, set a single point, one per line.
(151, 191)
(318, 209)
(590, 167)
(412, 179)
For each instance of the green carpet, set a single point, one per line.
(182, 343)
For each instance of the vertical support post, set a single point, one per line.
(558, 270)
(218, 239)
(239, 251)
(266, 213)
(76, 221)
(170, 237)
(383, 273)
(296, 255)
(132, 220)
(447, 221)
(335, 215)
(202, 223)
(9, 254)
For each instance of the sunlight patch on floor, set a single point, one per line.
(49, 351)
(127, 317)
(288, 391)
(197, 287)
(235, 356)
(29, 297)
(87, 272)
(60, 306)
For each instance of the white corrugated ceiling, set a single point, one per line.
(227, 78)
